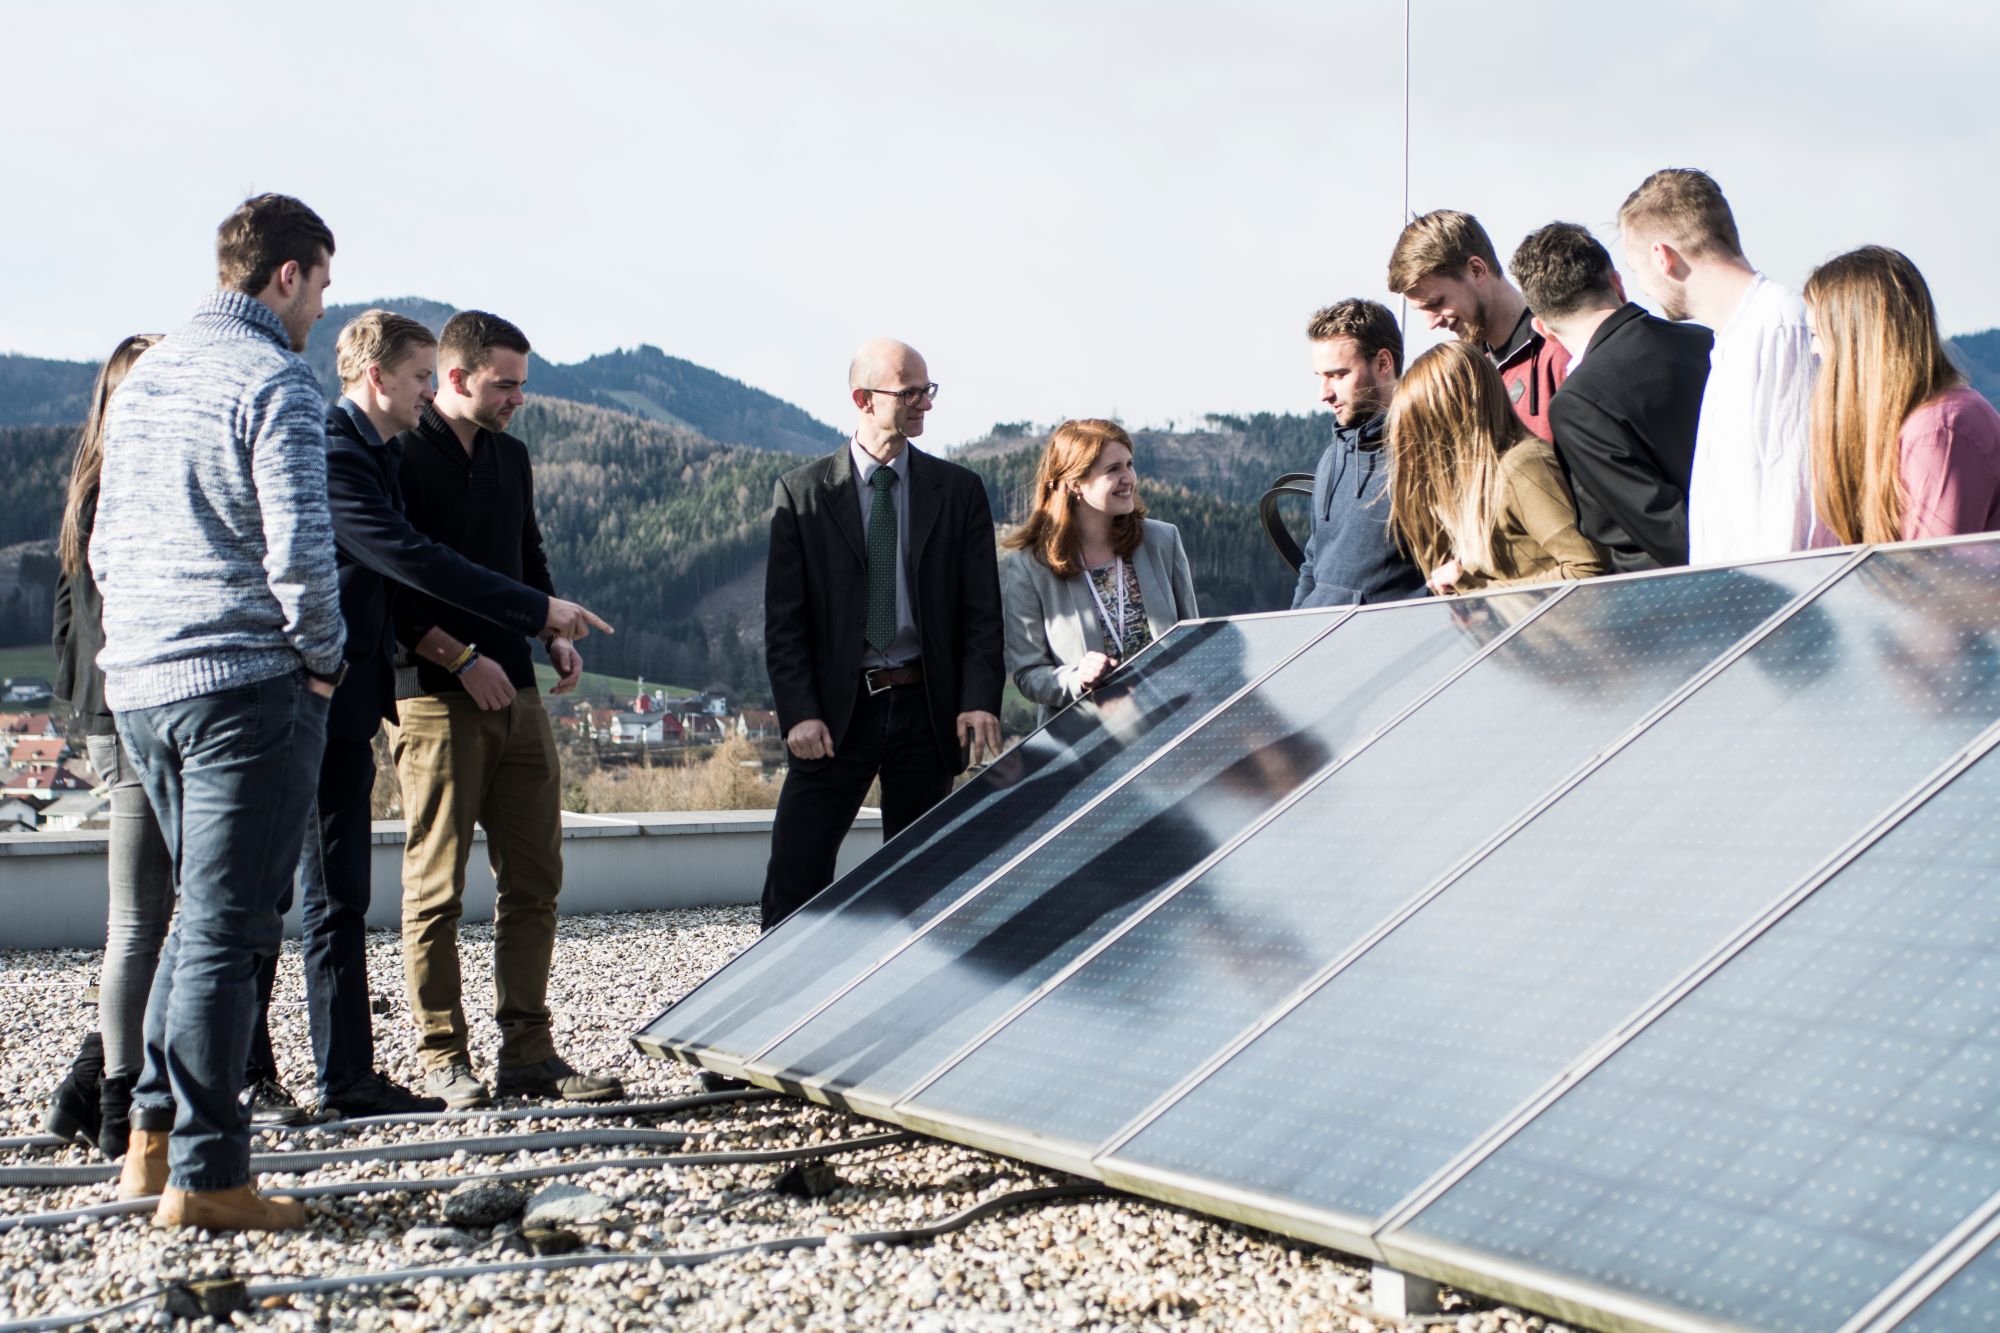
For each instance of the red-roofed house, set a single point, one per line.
(38, 750)
(27, 724)
(41, 779)
(757, 725)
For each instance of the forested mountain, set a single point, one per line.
(645, 382)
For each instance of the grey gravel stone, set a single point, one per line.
(438, 1238)
(565, 1204)
(483, 1203)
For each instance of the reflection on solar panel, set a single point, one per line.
(1083, 753)
(1630, 949)
(915, 1009)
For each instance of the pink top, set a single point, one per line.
(1951, 466)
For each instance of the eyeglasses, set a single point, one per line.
(911, 396)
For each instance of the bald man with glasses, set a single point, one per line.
(882, 627)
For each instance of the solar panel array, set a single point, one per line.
(1629, 949)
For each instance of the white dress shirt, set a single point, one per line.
(1750, 493)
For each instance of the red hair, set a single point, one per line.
(1050, 528)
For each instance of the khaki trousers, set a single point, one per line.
(458, 765)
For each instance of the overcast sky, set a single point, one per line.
(1083, 207)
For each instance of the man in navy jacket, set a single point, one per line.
(386, 365)
(1351, 557)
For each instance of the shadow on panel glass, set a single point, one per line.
(1427, 1040)
(1801, 1127)
(906, 1018)
(1088, 1057)
(1084, 750)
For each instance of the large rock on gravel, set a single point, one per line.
(483, 1203)
(559, 1205)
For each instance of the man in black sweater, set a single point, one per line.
(473, 744)
(1624, 421)
(386, 363)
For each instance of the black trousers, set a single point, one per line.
(890, 736)
(333, 876)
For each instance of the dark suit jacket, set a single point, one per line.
(816, 591)
(374, 546)
(1624, 427)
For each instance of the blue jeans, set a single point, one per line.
(231, 777)
(334, 881)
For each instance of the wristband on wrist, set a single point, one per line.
(471, 656)
(463, 660)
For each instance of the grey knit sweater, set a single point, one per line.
(213, 547)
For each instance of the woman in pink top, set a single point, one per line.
(1902, 448)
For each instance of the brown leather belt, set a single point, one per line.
(887, 678)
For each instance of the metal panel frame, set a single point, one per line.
(1156, 1181)
(752, 1067)
(1932, 1273)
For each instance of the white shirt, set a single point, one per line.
(1750, 492)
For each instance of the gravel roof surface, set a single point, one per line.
(1100, 1262)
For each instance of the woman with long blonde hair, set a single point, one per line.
(1474, 498)
(1902, 447)
(1091, 579)
(93, 1102)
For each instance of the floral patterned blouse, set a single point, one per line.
(1138, 633)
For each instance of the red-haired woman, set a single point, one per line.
(1091, 579)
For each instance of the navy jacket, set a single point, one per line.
(375, 545)
(1350, 556)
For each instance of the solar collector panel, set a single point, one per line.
(909, 1015)
(1084, 751)
(1137, 1018)
(1402, 1060)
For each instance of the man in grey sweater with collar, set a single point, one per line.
(214, 554)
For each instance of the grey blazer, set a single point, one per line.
(1052, 622)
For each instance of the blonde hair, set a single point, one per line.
(1882, 358)
(377, 338)
(1049, 531)
(88, 465)
(1684, 207)
(1448, 425)
(1442, 241)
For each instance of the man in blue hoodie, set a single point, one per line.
(1357, 354)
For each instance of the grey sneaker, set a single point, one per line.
(554, 1078)
(458, 1085)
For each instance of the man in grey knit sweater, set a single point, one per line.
(214, 554)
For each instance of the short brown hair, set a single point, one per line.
(1369, 323)
(377, 338)
(1441, 241)
(262, 236)
(470, 336)
(1686, 208)
(1562, 269)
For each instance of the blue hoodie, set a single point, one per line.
(1350, 556)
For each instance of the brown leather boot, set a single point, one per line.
(239, 1209)
(145, 1172)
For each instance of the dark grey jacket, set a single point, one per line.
(1350, 556)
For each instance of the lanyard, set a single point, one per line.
(1104, 612)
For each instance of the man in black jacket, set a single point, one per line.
(1625, 419)
(473, 744)
(386, 363)
(882, 627)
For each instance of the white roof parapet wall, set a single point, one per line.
(53, 896)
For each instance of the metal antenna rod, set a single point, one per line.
(1403, 320)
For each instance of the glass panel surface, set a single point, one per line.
(1084, 750)
(1095, 1052)
(912, 1013)
(1970, 1301)
(1384, 1075)
(1805, 1124)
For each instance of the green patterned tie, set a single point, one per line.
(882, 561)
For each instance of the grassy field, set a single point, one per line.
(28, 659)
(597, 688)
